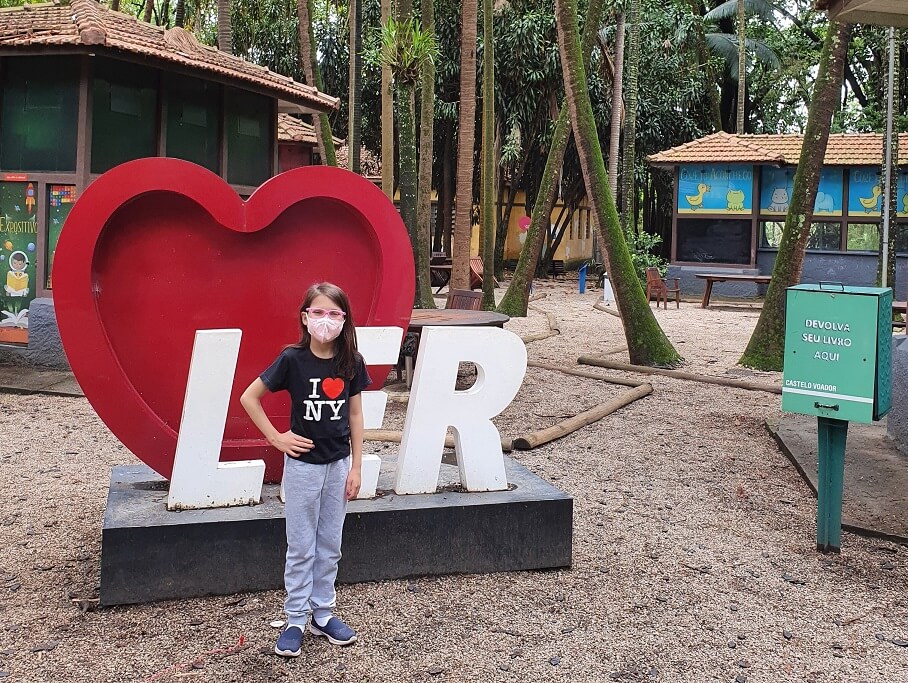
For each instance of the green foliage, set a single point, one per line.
(643, 247)
(405, 47)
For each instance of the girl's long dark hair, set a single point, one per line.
(345, 349)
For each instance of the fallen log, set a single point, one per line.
(582, 373)
(606, 309)
(572, 424)
(707, 379)
(391, 436)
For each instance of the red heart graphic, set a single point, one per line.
(332, 386)
(156, 249)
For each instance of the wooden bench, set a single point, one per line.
(556, 269)
(712, 278)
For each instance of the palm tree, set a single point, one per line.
(766, 348)
(426, 138)
(225, 31)
(488, 157)
(646, 342)
(733, 48)
(405, 48)
(466, 138)
(387, 118)
(629, 162)
(354, 117)
(742, 66)
(614, 147)
(516, 298)
(313, 77)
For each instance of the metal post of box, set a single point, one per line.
(838, 365)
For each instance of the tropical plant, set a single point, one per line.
(426, 140)
(646, 342)
(466, 138)
(516, 298)
(765, 350)
(489, 175)
(405, 48)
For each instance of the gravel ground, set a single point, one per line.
(693, 555)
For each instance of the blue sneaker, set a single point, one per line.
(336, 631)
(290, 642)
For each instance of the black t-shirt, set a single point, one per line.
(320, 400)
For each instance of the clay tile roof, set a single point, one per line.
(844, 149)
(292, 129)
(85, 23)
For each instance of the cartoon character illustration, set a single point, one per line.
(780, 200)
(695, 201)
(30, 198)
(871, 203)
(17, 278)
(905, 203)
(735, 199)
(824, 203)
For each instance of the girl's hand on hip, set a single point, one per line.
(292, 444)
(354, 479)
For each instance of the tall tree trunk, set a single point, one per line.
(354, 114)
(149, 8)
(614, 143)
(387, 118)
(742, 67)
(225, 30)
(446, 200)
(517, 296)
(426, 154)
(489, 183)
(313, 77)
(646, 342)
(180, 18)
(766, 348)
(629, 165)
(466, 139)
(406, 144)
(890, 198)
(115, 5)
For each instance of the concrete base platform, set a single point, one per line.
(875, 497)
(151, 554)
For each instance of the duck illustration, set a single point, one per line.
(870, 203)
(696, 200)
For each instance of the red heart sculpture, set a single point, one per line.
(156, 249)
(333, 387)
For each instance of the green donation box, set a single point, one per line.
(838, 367)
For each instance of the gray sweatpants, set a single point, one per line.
(314, 509)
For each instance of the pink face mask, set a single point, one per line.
(324, 329)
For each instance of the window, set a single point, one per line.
(249, 137)
(714, 240)
(193, 121)
(825, 237)
(39, 100)
(901, 237)
(771, 234)
(863, 237)
(124, 114)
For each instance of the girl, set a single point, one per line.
(325, 376)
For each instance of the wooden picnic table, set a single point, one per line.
(445, 317)
(712, 278)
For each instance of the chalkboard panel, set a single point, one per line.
(714, 240)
